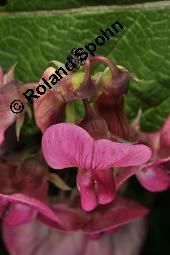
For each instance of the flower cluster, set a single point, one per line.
(82, 209)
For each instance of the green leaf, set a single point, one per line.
(33, 39)
(31, 5)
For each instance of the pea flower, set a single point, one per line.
(109, 103)
(155, 175)
(67, 145)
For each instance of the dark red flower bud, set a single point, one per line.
(111, 109)
(78, 85)
(113, 81)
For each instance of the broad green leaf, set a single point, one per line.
(30, 5)
(33, 39)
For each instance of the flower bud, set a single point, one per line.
(113, 83)
(111, 109)
(94, 125)
(78, 85)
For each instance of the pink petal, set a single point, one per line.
(96, 187)
(114, 215)
(104, 185)
(86, 186)
(155, 176)
(72, 218)
(33, 203)
(108, 154)
(19, 213)
(67, 145)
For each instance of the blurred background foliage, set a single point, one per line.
(34, 32)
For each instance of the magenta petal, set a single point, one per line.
(86, 186)
(114, 215)
(155, 176)
(35, 204)
(104, 185)
(72, 218)
(67, 145)
(19, 213)
(108, 154)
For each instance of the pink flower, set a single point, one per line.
(155, 175)
(29, 238)
(67, 145)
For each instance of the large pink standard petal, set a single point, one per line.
(67, 145)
